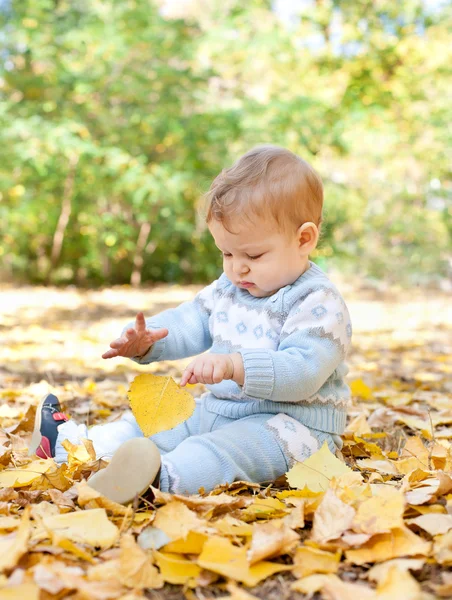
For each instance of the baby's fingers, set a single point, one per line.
(158, 334)
(118, 343)
(187, 375)
(110, 354)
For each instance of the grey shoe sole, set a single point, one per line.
(131, 471)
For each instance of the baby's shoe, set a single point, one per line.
(45, 433)
(133, 468)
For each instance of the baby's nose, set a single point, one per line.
(241, 267)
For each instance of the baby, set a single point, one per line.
(276, 330)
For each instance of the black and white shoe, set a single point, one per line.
(48, 418)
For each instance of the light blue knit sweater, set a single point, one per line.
(293, 345)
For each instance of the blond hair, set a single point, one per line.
(267, 181)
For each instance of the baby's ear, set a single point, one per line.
(308, 236)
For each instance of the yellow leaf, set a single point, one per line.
(361, 390)
(332, 518)
(398, 584)
(317, 471)
(23, 591)
(221, 556)
(433, 523)
(313, 583)
(90, 498)
(271, 539)
(79, 454)
(236, 593)
(176, 520)
(9, 523)
(379, 572)
(136, 569)
(24, 475)
(192, 544)
(381, 547)
(333, 588)
(87, 527)
(263, 508)
(230, 526)
(309, 560)
(72, 548)
(158, 403)
(175, 568)
(381, 513)
(14, 545)
(442, 549)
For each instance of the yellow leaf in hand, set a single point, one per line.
(316, 472)
(158, 403)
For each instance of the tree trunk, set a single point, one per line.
(66, 209)
(138, 259)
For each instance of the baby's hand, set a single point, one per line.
(136, 341)
(208, 368)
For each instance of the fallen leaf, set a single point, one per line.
(176, 569)
(88, 527)
(79, 454)
(398, 542)
(442, 549)
(15, 545)
(382, 466)
(236, 593)
(398, 584)
(308, 560)
(333, 588)
(7, 523)
(433, 523)
(316, 472)
(15, 478)
(135, 567)
(158, 403)
(193, 543)
(271, 539)
(221, 556)
(176, 520)
(380, 513)
(332, 518)
(361, 390)
(264, 508)
(24, 591)
(380, 571)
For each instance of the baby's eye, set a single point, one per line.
(254, 257)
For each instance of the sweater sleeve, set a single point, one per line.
(188, 328)
(313, 342)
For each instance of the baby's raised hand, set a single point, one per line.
(136, 341)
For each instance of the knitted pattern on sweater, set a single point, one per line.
(293, 345)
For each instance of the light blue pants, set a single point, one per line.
(209, 449)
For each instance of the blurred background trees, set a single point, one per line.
(116, 114)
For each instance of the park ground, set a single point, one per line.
(400, 370)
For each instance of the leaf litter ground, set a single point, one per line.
(381, 528)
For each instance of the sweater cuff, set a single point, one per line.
(259, 374)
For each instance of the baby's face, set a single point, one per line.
(259, 257)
